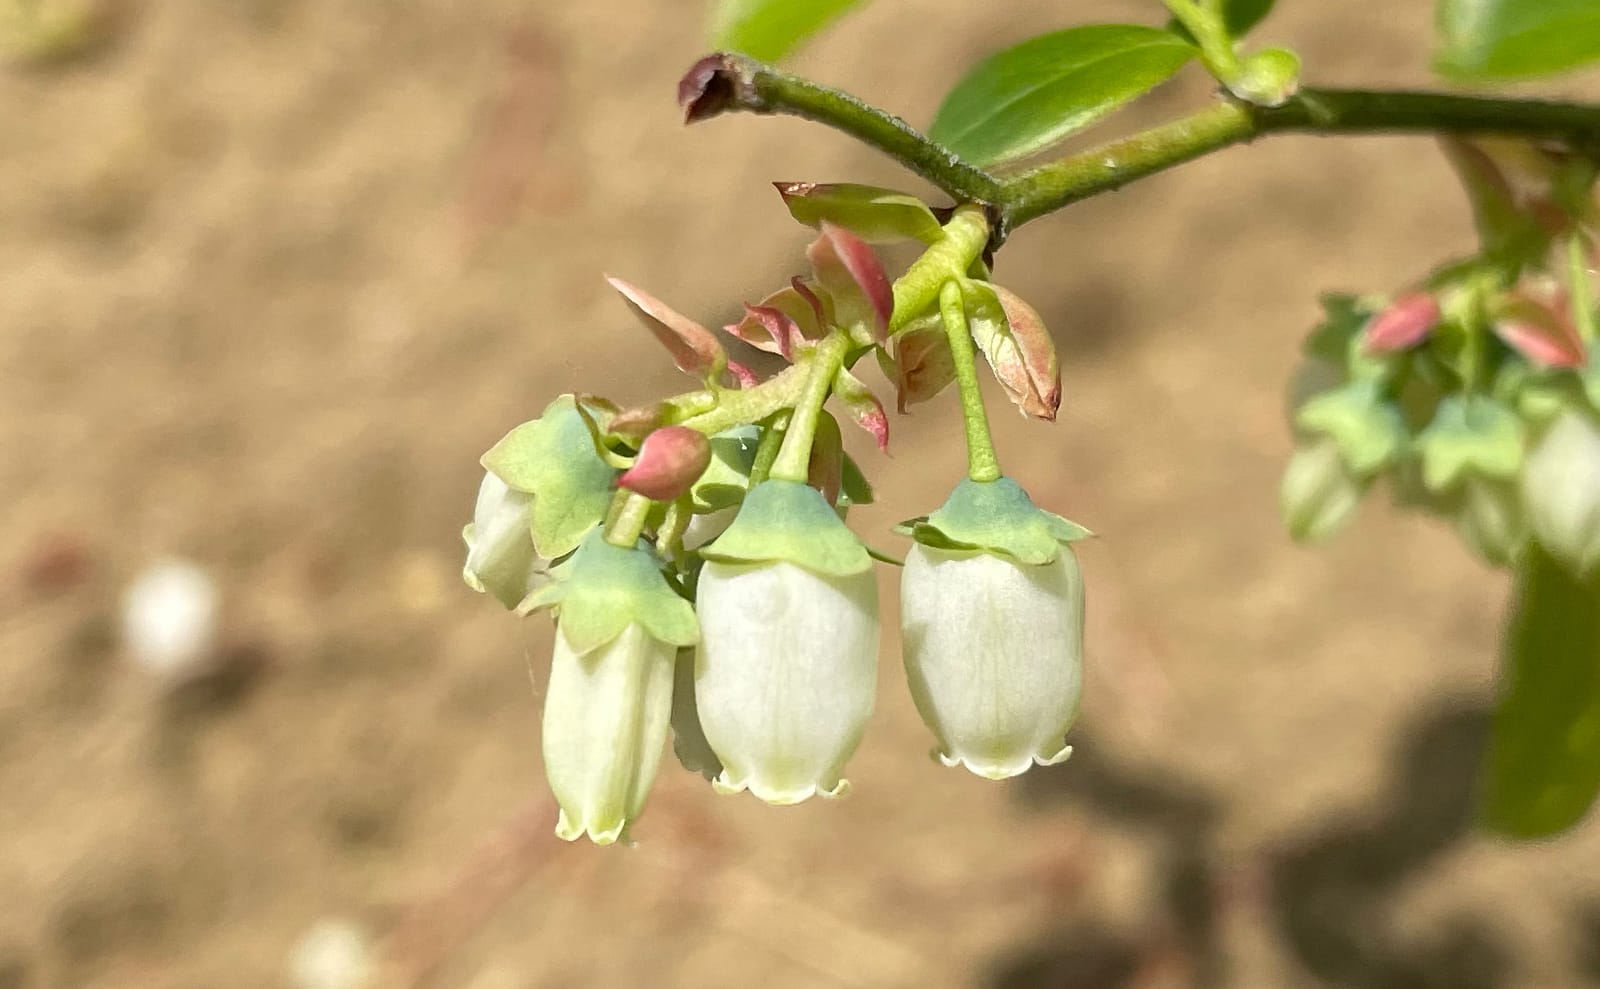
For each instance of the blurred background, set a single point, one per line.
(273, 274)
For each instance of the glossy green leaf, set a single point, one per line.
(771, 29)
(1499, 39)
(1024, 98)
(1240, 16)
(1544, 755)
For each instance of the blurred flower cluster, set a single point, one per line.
(1477, 392)
(695, 553)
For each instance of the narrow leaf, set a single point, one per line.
(1500, 39)
(878, 216)
(1541, 331)
(864, 408)
(849, 272)
(1027, 97)
(771, 29)
(694, 348)
(1018, 347)
(1405, 323)
(1544, 755)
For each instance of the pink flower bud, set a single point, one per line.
(1405, 323)
(670, 461)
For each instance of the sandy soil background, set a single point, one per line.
(273, 273)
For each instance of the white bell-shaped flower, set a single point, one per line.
(500, 556)
(1319, 493)
(1561, 491)
(605, 727)
(785, 675)
(994, 655)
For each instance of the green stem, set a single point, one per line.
(982, 464)
(735, 83)
(732, 82)
(772, 431)
(624, 527)
(794, 457)
(963, 241)
(742, 406)
(1210, 28)
(1582, 297)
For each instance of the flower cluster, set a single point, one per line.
(1476, 393)
(696, 556)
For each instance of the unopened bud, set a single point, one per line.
(670, 461)
(1267, 78)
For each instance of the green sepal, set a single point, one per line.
(553, 458)
(1344, 317)
(1368, 430)
(606, 588)
(1470, 434)
(790, 522)
(1589, 377)
(854, 489)
(723, 484)
(996, 517)
(1538, 394)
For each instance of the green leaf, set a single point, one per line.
(1544, 753)
(1500, 39)
(771, 29)
(1027, 97)
(1239, 15)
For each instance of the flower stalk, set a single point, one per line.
(982, 463)
(794, 455)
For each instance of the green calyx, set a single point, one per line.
(553, 458)
(1368, 430)
(723, 483)
(1471, 435)
(787, 521)
(604, 588)
(995, 517)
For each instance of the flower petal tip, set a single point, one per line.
(566, 830)
(779, 796)
(997, 769)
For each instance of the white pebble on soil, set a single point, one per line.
(333, 954)
(169, 619)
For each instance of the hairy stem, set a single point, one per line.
(740, 407)
(794, 457)
(624, 527)
(773, 428)
(963, 242)
(982, 464)
(726, 83)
